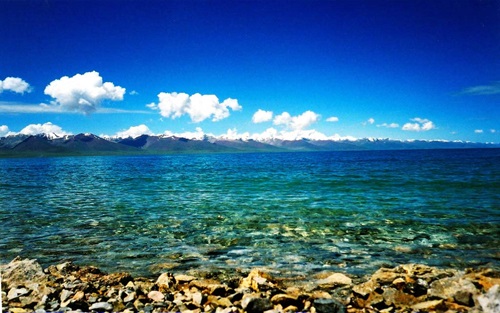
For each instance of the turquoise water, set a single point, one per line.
(292, 213)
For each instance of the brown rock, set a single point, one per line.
(183, 279)
(336, 279)
(447, 288)
(78, 296)
(20, 272)
(165, 281)
(429, 305)
(115, 279)
(285, 300)
(257, 281)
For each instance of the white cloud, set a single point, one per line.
(491, 89)
(262, 116)
(332, 119)
(271, 134)
(370, 121)
(199, 107)
(420, 124)
(135, 131)
(478, 131)
(493, 131)
(386, 125)
(14, 84)
(298, 122)
(47, 128)
(4, 130)
(82, 92)
(133, 93)
(198, 134)
(232, 134)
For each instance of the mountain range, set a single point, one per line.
(90, 144)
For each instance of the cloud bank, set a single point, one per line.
(420, 124)
(47, 128)
(82, 93)
(14, 84)
(199, 107)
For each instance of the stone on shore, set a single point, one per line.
(67, 287)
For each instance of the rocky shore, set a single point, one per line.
(66, 287)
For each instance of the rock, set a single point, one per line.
(130, 297)
(99, 306)
(65, 294)
(182, 279)
(115, 279)
(211, 286)
(197, 298)
(319, 294)
(447, 288)
(18, 310)
(429, 305)
(490, 301)
(285, 300)
(328, 306)
(291, 309)
(256, 305)
(78, 296)
(156, 296)
(256, 281)
(464, 297)
(16, 292)
(219, 301)
(21, 272)
(165, 281)
(336, 279)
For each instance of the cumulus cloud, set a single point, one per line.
(135, 131)
(4, 130)
(370, 121)
(298, 122)
(83, 92)
(481, 90)
(332, 119)
(420, 124)
(199, 107)
(262, 116)
(14, 84)
(47, 128)
(386, 125)
(493, 131)
(478, 131)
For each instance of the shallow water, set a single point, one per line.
(293, 213)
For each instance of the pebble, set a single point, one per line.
(390, 290)
(101, 306)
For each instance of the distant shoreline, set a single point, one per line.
(91, 145)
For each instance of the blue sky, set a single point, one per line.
(318, 69)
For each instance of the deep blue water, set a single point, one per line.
(292, 213)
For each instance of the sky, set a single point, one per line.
(426, 69)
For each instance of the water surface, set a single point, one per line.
(293, 213)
